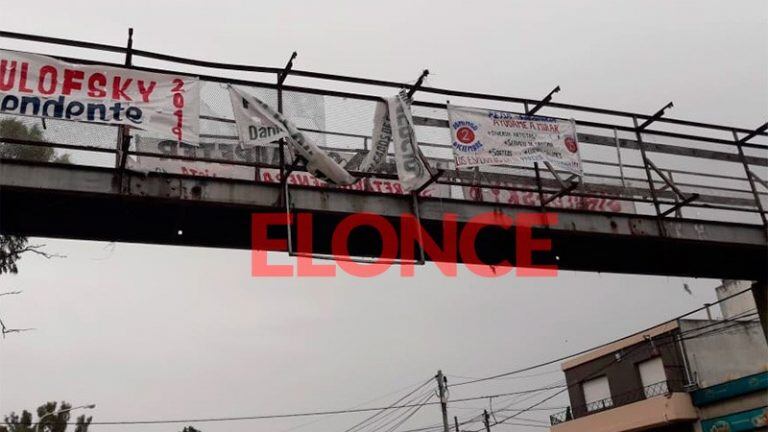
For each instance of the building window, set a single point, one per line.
(653, 377)
(597, 394)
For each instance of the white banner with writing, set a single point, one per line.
(411, 168)
(251, 112)
(489, 137)
(227, 152)
(380, 138)
(166, 105)
(255, 125)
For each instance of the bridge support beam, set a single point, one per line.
(72, 201)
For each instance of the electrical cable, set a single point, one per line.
(368, 419)
(734, 320)
(411, 414)
(356, 406)
(393, 415)
(557, 360)
(562, 388)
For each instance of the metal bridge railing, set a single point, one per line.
(633, 162)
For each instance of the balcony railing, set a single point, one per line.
(647, 392)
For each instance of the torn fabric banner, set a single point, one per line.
(318, 162)
(380, 138)
(411, 169)
(488, 137)
(255, 125)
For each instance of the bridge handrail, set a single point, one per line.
(367, 81)
(629, 190)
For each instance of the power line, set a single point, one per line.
(557, 360)
(562, 388)
(393, 415)
(356, 426)
(358, 405)
(509, 377)
(734, 321)
(312, 413)
(408, 416)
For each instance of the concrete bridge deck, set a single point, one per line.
(80, 202)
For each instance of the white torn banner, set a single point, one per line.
(255, 125)
(382, 134)
(318, 162)
(411, 170)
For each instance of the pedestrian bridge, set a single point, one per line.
(659, 195)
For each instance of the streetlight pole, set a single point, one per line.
(40, 420)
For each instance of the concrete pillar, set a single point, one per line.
(760, 292)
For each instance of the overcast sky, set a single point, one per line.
(157, 332)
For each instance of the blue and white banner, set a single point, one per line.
(490, 137)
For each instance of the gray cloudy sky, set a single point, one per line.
(149, 332)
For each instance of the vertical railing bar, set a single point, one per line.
(678, 210)
(618, 155)
(416, 212)
(282, 140)
(649, 177)
(751, 180)
(286, 195)
(542, 203)
(123, 133)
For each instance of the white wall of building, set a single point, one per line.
(720, 351)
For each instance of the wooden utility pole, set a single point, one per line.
(441, 386)
(486, 422)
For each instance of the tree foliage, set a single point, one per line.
(12, 247)
(49, 419)
(12, 128)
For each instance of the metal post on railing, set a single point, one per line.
(542, 203)
(649, 177)
(129, 48)
(751, 181)
(418, 84)
(618, 156)
(542, 102)
(123, 133)
(281, 76)
(678, 210)
(285, 197)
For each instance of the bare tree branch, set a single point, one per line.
(36, 249)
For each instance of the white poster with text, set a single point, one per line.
(488, 137)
